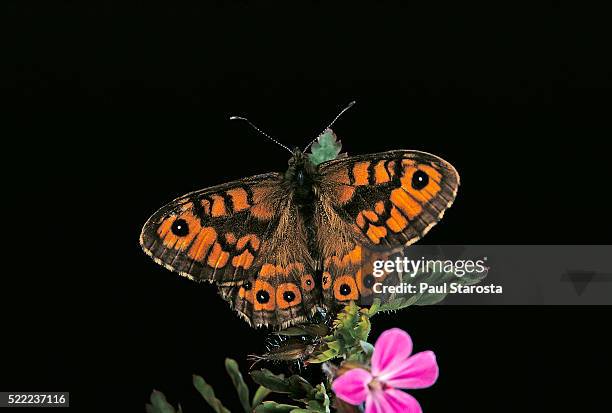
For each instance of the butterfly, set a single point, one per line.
(281, 247)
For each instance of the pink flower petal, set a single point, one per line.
(352, 386)
(392, 346)
(376, 403)
(416, 372)
(400, 401)
(391, 401)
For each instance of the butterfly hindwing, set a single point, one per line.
(384, 201)
(279, 295)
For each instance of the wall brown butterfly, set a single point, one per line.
(282, 246)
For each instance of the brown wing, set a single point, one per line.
(384, 201)
(349, 277)
(246, 237)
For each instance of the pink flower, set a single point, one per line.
(393, 368)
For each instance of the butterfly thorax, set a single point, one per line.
(301, 178)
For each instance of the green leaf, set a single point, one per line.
(326, 148)
(367, 348)
(374, 307)
(315, 406)
(334, 345)
(209, 395)
(300, 388)
(472, 278)
(362, 330)
(271, 381)
(399, 303)
(273, 407)
(296, 386)
(159, 404)
(260, 395)
(322, 397)
(327, 352)
(430, 298)
(241, 388)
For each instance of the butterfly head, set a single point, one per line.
(301, 170)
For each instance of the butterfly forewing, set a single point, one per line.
(216, 233)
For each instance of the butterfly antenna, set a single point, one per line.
(350, 105)
(260, 131)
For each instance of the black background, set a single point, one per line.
(122, 107)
